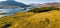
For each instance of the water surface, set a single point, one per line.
(12, 11)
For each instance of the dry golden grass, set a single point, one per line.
(49, 19)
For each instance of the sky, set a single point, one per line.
(35, 1)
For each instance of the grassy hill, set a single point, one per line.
(49, 19)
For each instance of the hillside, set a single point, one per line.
(38, 5)
(55, 4)
(12, 3)
(49, 19)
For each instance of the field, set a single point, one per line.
(50, 19)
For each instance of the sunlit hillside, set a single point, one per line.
(50, 19)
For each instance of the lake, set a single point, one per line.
(11, 11)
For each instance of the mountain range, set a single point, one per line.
(54, 4)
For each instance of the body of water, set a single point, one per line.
(11, 11)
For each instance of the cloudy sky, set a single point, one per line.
(35, 1)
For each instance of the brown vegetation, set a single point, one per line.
(49, 19)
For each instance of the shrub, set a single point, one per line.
(43, 9)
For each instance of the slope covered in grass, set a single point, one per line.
(49, 19)
(15, 20)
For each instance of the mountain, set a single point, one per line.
(13, 3)
(54, 4)
(37, 5)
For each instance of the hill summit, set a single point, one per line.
(12, 3)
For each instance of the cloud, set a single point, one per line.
(2, 0)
